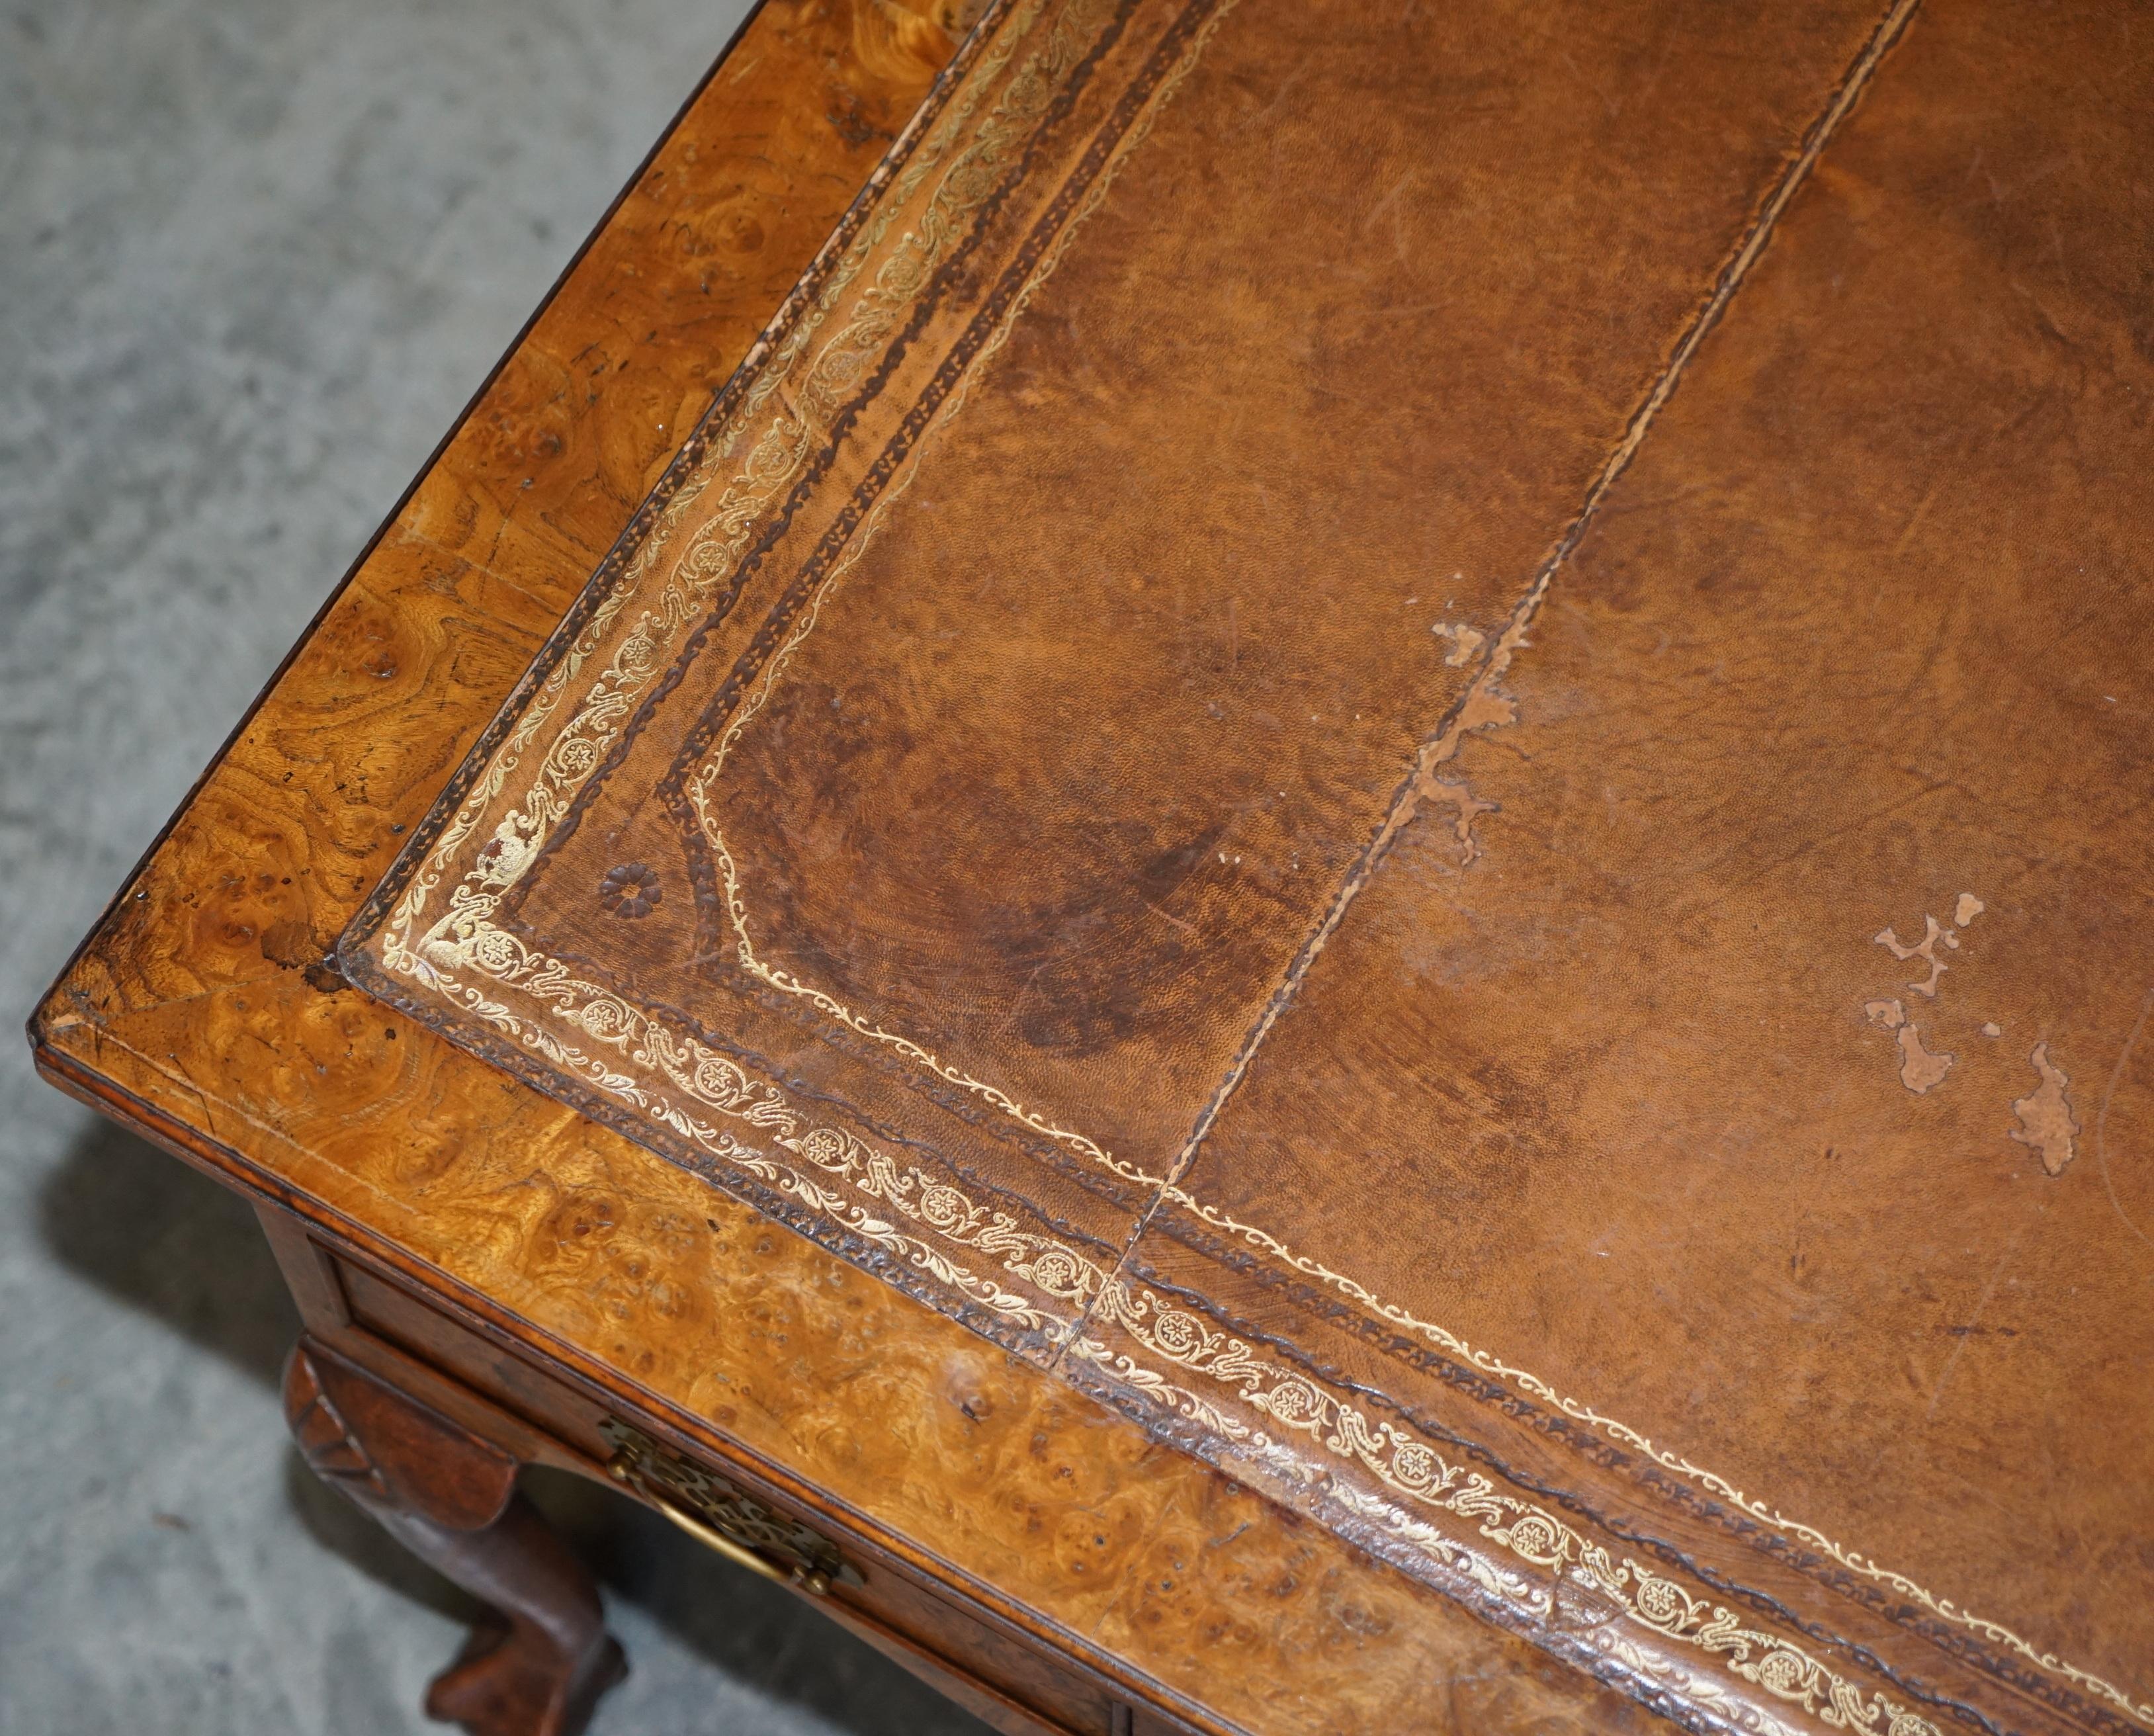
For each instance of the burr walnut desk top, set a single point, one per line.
(1324, 875)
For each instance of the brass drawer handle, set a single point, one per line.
(724, 1516)
(738, 1553)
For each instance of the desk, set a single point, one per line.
(1278, 872)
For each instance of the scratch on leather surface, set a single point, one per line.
(2102, 1118)
(1484, 704)
(2046, 1121)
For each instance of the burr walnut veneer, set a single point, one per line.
(1274, 867)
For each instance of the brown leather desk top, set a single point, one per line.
(1418, 740)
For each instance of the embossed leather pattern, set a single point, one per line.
(1419, 740)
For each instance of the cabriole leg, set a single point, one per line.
(539, 1664)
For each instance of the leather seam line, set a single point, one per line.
(1495, 662)
(1445, 741)
(1439, 748)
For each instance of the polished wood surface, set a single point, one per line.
(1002, 1516)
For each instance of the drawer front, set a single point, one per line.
(1007, 1681)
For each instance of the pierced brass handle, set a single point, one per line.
(739, 1554)
(723, 1516)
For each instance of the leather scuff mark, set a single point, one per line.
(1920, 1070)
(1486, 706)
(1458, 794)
(1465, 641)
(2046, 1122)
(1926, 950)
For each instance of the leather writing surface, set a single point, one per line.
(1780, 1062)
(1283, 659)
(1012, 666)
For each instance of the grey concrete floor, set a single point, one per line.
(254, 255)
